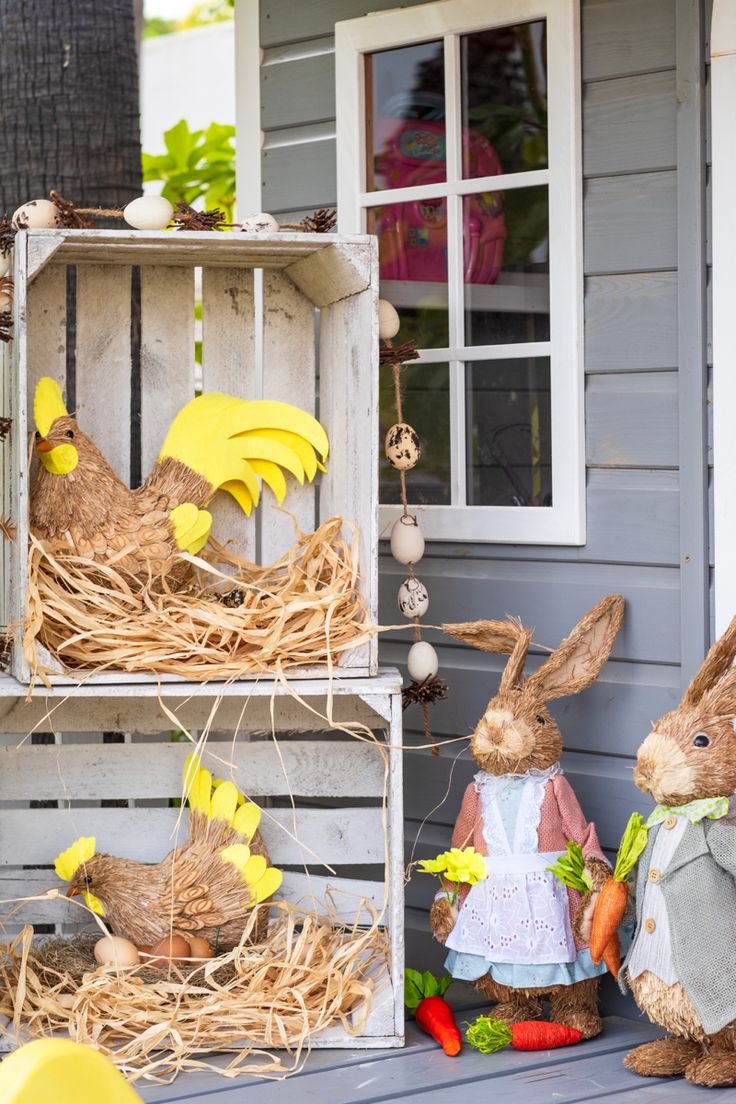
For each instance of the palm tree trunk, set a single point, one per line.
(69, 119)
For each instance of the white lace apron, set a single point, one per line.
(519, 913)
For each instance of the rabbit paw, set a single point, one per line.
(442, 917)
(582, 921)
(599, 871)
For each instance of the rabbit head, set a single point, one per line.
(517, 732)
(691, 752)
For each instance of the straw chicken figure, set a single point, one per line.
(205, 888)
(215, 442)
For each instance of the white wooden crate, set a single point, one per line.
(268, 304)
(337, 782)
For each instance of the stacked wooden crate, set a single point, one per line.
(111, 316)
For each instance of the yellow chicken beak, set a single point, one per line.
(72, 891)
(57, 459)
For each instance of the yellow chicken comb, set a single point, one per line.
(48, 404)
(68, 862)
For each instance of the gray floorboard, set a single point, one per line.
(421, 1072)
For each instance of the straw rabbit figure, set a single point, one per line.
(519, 934)
(681, 967)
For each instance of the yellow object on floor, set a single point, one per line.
(59, 1071)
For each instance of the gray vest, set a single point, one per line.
(700, 897)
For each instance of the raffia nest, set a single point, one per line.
(304, 609)
(308, 974)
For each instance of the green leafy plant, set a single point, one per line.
(197, 164)
(418, 986)
(570, 869)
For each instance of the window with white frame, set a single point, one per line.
(458, 145)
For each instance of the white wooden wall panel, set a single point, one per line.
(229, 365)
(167, 353)
(46, 321)
(288, 376)
(103, 360)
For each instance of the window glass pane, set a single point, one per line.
(504, 99)
(506, 266)
(412, 251)
(405, 128)
(509, 450)
(426, 407)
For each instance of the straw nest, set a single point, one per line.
(232, 617)
(308, 974)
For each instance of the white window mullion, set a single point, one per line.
(457, 433)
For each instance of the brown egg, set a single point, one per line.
(200, 948)
(113, 950)
(145, 948)
(171, 948)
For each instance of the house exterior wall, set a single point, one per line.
(644, 238)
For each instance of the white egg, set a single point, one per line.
(6, 263)
(37, 214)
(6, 298)
(389, 322)
(262, 223)
(413, 598)
(422, 661)
(115, 951)
(407, 540)
(148, 213)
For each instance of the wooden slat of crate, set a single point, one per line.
(167, 353)
(229, 365)
(91, 772)
(103, 339)
(289, 376)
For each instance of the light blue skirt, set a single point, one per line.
(522, 975)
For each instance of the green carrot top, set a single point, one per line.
(570, 869)
(633, 842)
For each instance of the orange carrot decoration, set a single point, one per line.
(424, 995)
(614, 896)
(488, 1035)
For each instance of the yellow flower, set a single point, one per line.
(457, 865)
(433, 866)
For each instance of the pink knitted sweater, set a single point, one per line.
(561, 820)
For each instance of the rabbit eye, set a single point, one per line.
(700, 740)
(70, 433)
(540, 719)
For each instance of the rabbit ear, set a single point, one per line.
(576, 663)
(507, 637)
(714, 668)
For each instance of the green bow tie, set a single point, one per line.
(710, 808)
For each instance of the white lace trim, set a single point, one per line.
(491, 787)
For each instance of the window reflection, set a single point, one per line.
(509, 442)
(405, 99)
(426, 394)
(504, 99)
(506, 266)
(412, 253)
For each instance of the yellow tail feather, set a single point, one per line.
(219, 800)
(231, 442)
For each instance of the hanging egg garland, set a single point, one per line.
(403, 451)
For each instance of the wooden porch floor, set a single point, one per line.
(421, 1072)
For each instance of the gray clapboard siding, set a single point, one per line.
(627, 36)
(631, 420)
(283, 21)
(631, 322)
(630, 223)
(313, 75)
(300, 175)
(549, 596)
(610, 718)
(630, 124)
